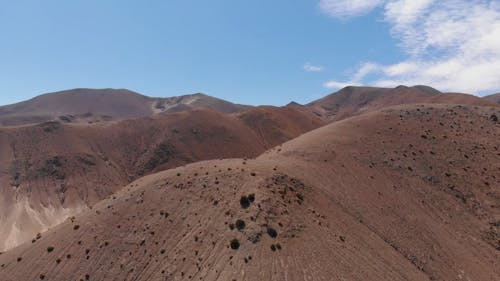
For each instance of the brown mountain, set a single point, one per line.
(94, 105)
(405, 193)
(52, 170)
(351, 101)
(494, 98)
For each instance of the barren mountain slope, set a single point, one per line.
(181, 103)
(407, 193)
(459, 98)
(52, 170)
(94, 105)
(494, 98)
(351, 101)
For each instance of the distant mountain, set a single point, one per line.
(351, 101)
(493, 98)
(195, 101)
(95, 105)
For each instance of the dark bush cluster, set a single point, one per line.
(235, 244)
(275, 247)
(272, 232)
(251, 198)
(245, 201)
(240, 224)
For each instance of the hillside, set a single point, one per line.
(406, 193)
(352, 101)
(493, 98)
(96, 105)
(53, 170)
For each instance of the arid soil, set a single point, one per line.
(53, 170)
(410, 192)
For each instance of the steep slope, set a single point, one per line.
(493, 98)
(94, 105)
(53, 170)
(407, 193)
(351, 101)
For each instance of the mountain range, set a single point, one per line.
(363, 184)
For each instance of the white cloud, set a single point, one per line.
(404, 12)
(312, 68)
(452, 45)
(337, 85)
(402, 68)
(348, 8)
(364, 70)
(357, 77)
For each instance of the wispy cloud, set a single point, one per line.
(452, 45)
(348, 8)
(356, 78)
(312, 68)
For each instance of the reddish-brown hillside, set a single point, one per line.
(493, 98)
(351, 101)
(406, 193)
(459, 98)
(52, 170)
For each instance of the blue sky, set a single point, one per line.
(252, 52)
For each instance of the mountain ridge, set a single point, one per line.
(85, 105)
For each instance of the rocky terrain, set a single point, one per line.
(388, 190)
(52, 170)
(404, 193)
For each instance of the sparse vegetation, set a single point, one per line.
(244, 202)
(272, 232)
(251, 198)
(255, 237)
(240, 224)
(235, 244)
